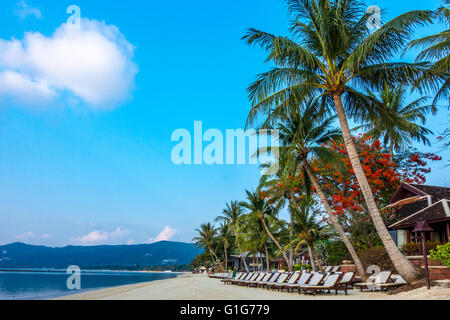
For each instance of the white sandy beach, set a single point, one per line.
(200, 287)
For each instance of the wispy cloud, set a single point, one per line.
(100, 237)
(24, 10)
(25, 235)
(92, 67)
(166, 234)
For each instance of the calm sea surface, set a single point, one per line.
(39, 284)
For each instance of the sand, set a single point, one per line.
(200, 287)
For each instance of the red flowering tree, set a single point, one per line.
(384, 176)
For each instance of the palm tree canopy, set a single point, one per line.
(206, 235)
(333, 53)
(396, 123)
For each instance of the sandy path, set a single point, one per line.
(200, 287)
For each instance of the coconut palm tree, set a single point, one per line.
(336, 56)
(282, 176)
(258, 207)
(308, 229)
(304, 134)
(224, 239)
(231, 215)
(207, 239)
(396, 124)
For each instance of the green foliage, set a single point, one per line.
(300, 267)
(441, 253)
(415, 249)
(336, 252)
(377, 256)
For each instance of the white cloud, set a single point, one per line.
(93, 65)
(98, 237)
(24, 10)
(25, 235)
(119, 233)
(166, 234)
(93, 237)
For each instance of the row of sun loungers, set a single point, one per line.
(305, 282)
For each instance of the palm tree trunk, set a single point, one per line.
(214, 256)
(391, 150)
(267, 256)
(276, 243)
(404, 267)
(311, 259)
(291, 235)
(239, 248)
(226, 258)
(335, 223)
(319, 265)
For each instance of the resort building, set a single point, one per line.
(414, 202)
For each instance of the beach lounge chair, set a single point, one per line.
(292, 280)
(246, 275)
(303, 279)
(251, 278)
(394, 282)
(315, 279)
(328, 269)
(375, 281)
(330, 284)
(271, 280)
(347, 280)
(335, 269)
(228, 280)
(281, 279)
(259, 277)
(263, 280)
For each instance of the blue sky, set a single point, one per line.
(87, 162)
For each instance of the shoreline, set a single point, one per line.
(199, 287)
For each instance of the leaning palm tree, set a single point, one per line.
(259, 208)
(224, 237)
(304, 135)
(286, 170)
(338, 58)
(231, 215)
(396, 124)
(206, 239)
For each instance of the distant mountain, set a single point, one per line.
(21, 255)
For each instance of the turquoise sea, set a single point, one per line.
(35, 284)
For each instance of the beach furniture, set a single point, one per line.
(272, 279)
(328, 268)
(395, 281)
(292, 280)
(330, 284)
(375, 281)
(335, 269)
(258, 277)
(347, 280)
(245, 276)
(251, 278)
(228, 280)
(303, 279)
(281, 279)
(265, 279)
(314, 280)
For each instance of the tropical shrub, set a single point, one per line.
(441, 253)
(336, 252)
(300, 267)
(377, 256)
(415, 248)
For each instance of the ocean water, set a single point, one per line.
(46, 284)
